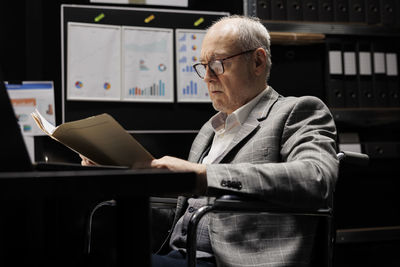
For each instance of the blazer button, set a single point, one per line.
(190, 209)
(239, 186)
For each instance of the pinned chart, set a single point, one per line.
(147, 64)
(190, 87)
(94, 62)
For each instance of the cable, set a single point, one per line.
(110, 203)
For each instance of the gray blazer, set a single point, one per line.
(284, 154)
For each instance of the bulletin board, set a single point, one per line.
(136, 65)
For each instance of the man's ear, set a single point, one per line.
(260, 61)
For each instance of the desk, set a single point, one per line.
(42, 214)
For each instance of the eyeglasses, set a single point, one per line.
(216, 66)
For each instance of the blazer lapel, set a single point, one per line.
(259, 113)
(202, 143)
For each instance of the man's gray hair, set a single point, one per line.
(251, 34)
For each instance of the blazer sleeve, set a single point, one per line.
(306, 171)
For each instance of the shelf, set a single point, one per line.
(366, 116)
(373, 234)
(331, 28)
(296, 38)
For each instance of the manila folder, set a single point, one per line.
(104, 141)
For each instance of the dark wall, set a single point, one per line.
(30, 47)
(13, 39)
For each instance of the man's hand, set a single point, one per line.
(176, 164)
(85, 161)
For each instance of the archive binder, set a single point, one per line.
(388, 12)
(350, 74)
(294, 10)
(334, 86)
(356, 11)
(372, 9)
(325, 10)
(379, 75)
(264, 9)
(310, 10)
(366, 95)
(392, 74)
(340, 10)
(397, 15)
(278, 9)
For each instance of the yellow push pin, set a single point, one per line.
(199, 21)
(149, 18)
(99, 17)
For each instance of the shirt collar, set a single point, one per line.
(222, 121)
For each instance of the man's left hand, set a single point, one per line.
(180, 165)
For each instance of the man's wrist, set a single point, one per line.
(201, 181)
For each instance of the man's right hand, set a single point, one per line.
(85, 161)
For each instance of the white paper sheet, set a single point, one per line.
(147, 64)
(350, 63)
(365, 63)
(190, 87)
(379, 63)
(94, 62)
(391, 64)
(181, 3)
(335, 62)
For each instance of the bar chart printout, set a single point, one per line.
(148, 64)
(190, 87)
(153, 90)
(93, 62)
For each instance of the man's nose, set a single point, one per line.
(209, 75)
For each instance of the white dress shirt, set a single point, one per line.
(226, 127)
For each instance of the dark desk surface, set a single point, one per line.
(124, 183)
(44, 214)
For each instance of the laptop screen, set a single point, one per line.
(13, 153)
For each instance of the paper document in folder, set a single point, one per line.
(99, 138)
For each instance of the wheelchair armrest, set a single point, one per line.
(233, 203)
(353, 158)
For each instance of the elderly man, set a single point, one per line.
(260, 144)
(278, 149)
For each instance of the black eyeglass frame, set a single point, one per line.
(221, 61)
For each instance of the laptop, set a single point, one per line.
(14, 155)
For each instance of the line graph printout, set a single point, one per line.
(94, 62)
(147, 64)
(190, 87)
